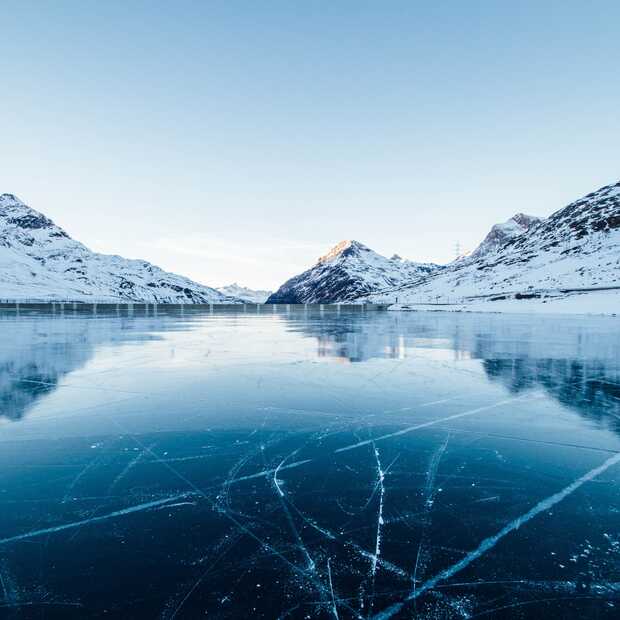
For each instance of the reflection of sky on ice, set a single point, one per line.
(229, 463)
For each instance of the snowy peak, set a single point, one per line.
(344, 249)
(10, 200)
(14, 212)
(39, 261)
(350, 269)
(19, 224)
(245, 294)
(502, 233)
(525, 221)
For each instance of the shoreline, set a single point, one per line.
(604, 303)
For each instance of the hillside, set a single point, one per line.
(578, 247)
(348, 271)
(40, 261)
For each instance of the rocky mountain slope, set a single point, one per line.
(348, 271)
(39, 261)
(500, 234)
(578, 247)
(245, 294)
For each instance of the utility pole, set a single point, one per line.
(457, 249)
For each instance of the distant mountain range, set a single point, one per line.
(350, 270)
(40, 261)
(245, 294)
(578, 247)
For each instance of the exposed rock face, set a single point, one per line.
(349, 270)
(40, 261)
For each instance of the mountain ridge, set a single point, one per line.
(347, 271)
(245, 294)
(577, 246)
(39, 260)
(501, 233)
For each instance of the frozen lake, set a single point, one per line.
(308, 464)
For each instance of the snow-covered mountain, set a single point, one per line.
(243, 293)
(349, 270)
(578, 247)
(38, 260)
(500, 234)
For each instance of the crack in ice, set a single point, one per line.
(99, 519)
(331, 589)
(488, 543)
(381, 478)
(416, 427)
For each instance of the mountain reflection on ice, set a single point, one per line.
(308, 463)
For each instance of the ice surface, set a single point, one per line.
(308, 463)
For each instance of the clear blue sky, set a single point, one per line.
(239, 140)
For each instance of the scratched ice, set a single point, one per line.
(308, 463)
